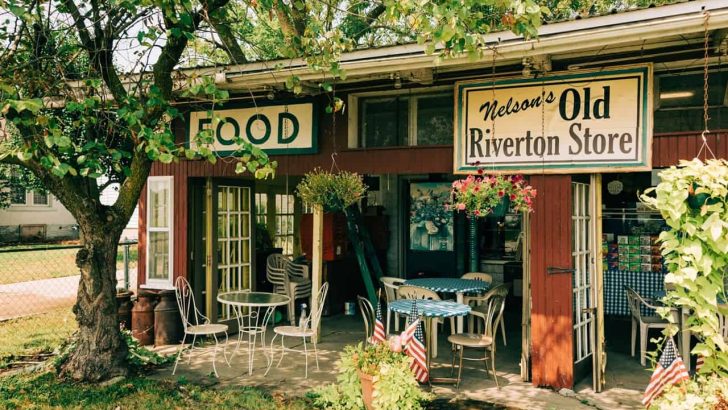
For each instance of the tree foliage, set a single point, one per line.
(92, 88)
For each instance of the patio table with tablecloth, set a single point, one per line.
(429, 310)
(616, 282)
(457, 286)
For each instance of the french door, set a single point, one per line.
(232, 242)
(586, 284)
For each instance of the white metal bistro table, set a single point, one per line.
(253, 311)
(429, 310)
(457, 286)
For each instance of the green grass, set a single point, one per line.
(45, 390)
(26, 337)
(48, 263)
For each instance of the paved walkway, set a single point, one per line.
(40, 296)
(341, 330)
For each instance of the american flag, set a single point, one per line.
(415, 342)
(379, 334)
(670, 370)
(699, 363)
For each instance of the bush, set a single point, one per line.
(703, 393)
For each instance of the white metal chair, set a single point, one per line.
(391, 284)
(500, 290)
(490, 312)
(195, 323)
(289, 279)
(308, 329)
(414, 292)
(369, 316)
(635, 301)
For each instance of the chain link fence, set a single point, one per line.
(38, 286)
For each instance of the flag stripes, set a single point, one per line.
(670, 370)
(414, 340)
(379, 334)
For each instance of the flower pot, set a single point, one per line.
(367, 389)
(502, 208)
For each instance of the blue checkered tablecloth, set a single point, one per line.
(646, 284)
(450, 285)
(430, 308)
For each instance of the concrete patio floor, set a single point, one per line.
(623, 390)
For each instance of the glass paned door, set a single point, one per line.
(582, 257)
(233, 243)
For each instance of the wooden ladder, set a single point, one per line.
(366, 255)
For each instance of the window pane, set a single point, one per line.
(17, 196)
(158, 203)
(383, 121)
(40, 198)
(158, 255)
(434, 120)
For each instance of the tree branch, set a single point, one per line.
(230, 43)
(79, 22)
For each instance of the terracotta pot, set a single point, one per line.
(367, 389)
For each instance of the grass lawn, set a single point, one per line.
(48, 263)
(26, 337)
(45, 390)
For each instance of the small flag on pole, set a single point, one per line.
(699, 363)
(416, 346)
(670, 370)
(379, 334)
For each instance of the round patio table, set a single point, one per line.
(457, 286)
(429, 310)
(253, 311)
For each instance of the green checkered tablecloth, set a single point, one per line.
(647, 284)
(430, 308)
(450, 285)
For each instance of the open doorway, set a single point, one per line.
(631, 261)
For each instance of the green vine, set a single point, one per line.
(692, 199)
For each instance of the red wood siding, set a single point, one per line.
(551, 294)
(669, 149)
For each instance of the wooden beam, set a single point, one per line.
(317, 258)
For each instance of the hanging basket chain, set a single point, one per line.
(705, 147)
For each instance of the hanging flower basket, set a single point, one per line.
(332, 191)
(484, 195)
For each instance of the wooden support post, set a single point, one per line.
(317, 259)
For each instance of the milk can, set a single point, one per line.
(142, 318)
(167, 320)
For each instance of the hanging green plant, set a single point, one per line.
(693, 200)
(333, 191)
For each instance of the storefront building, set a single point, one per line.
(589, 113)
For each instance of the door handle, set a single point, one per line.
(554, 269)
(591, 310)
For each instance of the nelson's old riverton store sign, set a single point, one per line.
(567, 123)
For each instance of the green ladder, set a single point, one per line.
(366, 255)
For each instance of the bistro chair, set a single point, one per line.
(391, 284)
(414, 292)
(500, 290)
(645, 322)
(289, 279)
(369, 316)
(490, 312)
(308, 329)
(196, 324)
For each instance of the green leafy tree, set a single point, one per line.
(91, 89)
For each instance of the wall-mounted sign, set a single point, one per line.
(277, 129)
(567, 123)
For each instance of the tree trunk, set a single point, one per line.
(100, 351)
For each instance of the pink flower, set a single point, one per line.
(513, 197)
(477, 212)
(395, 344)
(501, 193)
(461, 206)
(476, 188)
(480, 171)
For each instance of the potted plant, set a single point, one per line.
(332, 191)
(374, 377)
(483, 195)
